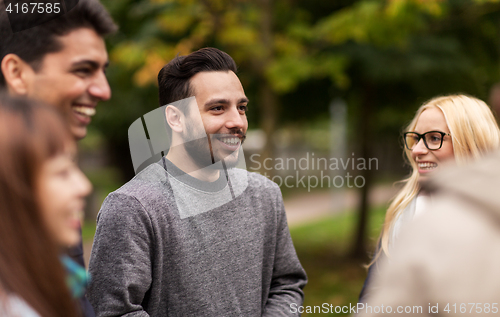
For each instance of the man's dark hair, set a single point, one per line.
(174, 78)
(33, 44)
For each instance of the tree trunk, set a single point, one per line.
(268, 99)
(268, 116)
(358, 250)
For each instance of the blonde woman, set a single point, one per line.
(456, 128)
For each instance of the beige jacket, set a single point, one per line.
(448, 260)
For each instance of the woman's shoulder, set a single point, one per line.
(14, 306)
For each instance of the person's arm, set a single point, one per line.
(289, 278)
(76, 254)
(373, 270)
(363, 294)
(120, 263)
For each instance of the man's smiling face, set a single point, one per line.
(73, 79)
(222, 105)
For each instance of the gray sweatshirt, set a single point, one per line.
(163, 247)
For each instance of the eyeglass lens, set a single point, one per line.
(433, 140)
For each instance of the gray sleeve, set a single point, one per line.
(120, 262)
(289, 278)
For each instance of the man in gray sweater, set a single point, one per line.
(193, 234)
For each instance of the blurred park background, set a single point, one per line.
(328, 81)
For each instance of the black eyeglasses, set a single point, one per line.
(433, 140)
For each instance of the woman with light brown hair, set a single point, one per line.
(455, 128)
(42, 197)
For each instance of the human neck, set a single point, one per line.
(185, 163)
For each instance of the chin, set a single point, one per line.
(79, 132)
(70, 239)
(230, 161)
(424, 177)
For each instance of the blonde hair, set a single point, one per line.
(473, 131)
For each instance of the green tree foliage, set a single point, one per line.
(266, 45)
(400, 53)
(384, 57)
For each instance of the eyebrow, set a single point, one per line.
(93, 64)
(224, 101)
(434, 130)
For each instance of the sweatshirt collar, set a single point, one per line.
(191, 181)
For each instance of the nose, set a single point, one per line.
(420, 148)
(236, 120)
(82, 184)
(99, 88)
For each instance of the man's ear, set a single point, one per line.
(17, 74)
(175, 118)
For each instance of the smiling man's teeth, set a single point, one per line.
(427, 165)
(230, 141)
(86, 111)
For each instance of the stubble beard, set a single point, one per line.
(202, 152)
